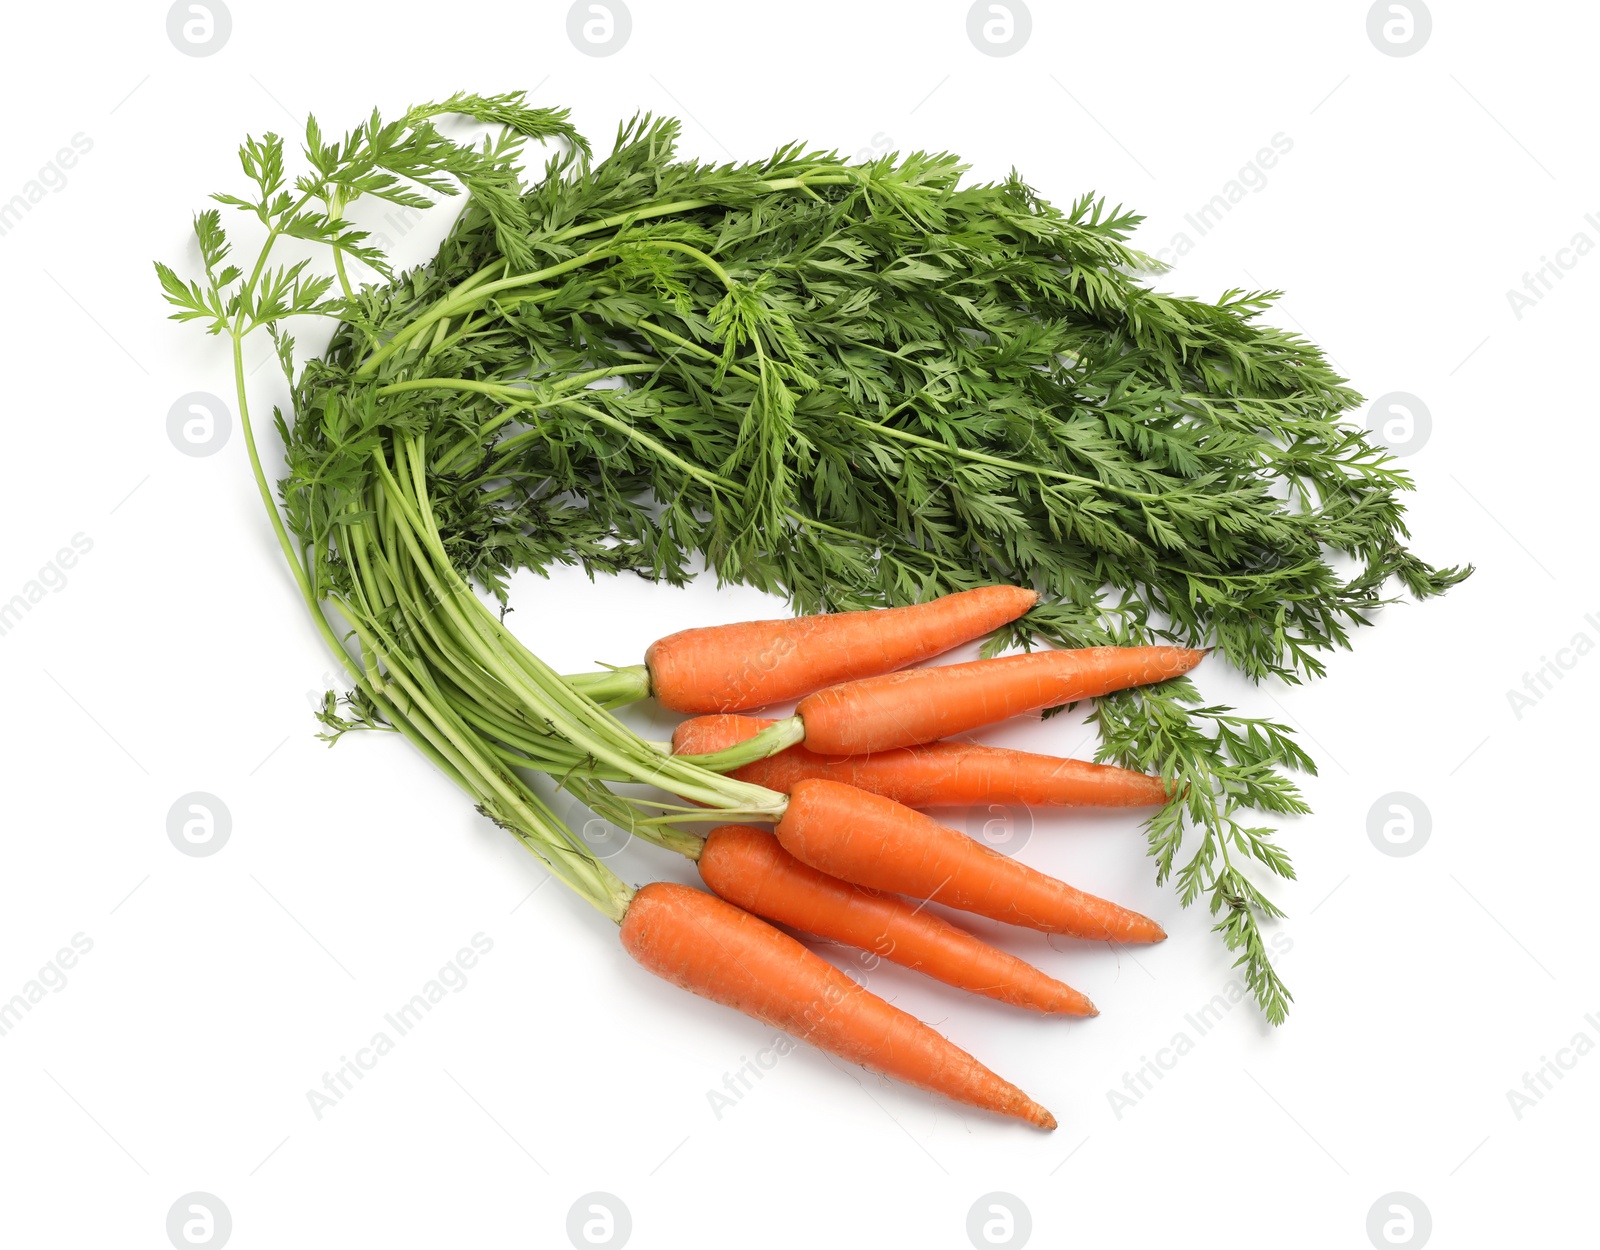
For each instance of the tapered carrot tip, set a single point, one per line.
(1142, 929)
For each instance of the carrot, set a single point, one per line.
(925, 704)
(730, 668)
(935, 774)
(711, 948)
(749, 869)
(875, 842)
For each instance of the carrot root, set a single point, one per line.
(935, 774)
(872, 841)
(712, 948)
(749, 869)
(732, 668)
(926, 704)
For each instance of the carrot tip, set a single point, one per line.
(1046, 1120)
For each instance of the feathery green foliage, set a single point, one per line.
(850, 384)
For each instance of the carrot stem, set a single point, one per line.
(615, 686)
(775, 737)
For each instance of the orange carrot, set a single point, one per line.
(713, 949)
(749, 869)
(875, 842)
(731, 668)
(935, 774)
(926, 704)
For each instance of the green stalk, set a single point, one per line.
(462, 299)
(778, 736)
(447, 745)
(613, 687)
(576, 717)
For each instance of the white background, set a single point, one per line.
(219, 990)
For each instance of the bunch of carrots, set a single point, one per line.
(464, 420)
(850, 858)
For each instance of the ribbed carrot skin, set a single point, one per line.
(732, 668)
(926, 704)
(935, 774)
(749, 869)
(712, 948)
(872, 841)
